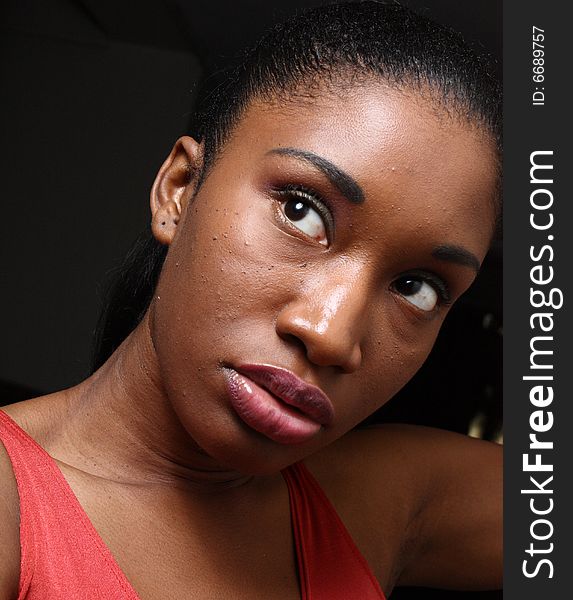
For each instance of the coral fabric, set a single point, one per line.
(63, 556)
(330, 565)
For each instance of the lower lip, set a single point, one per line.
(264, 413)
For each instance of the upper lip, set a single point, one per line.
(292, 390)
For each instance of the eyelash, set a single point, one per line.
(439, 285)
(314, 199)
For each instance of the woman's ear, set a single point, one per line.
(174, 185)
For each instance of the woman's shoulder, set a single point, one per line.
(391, 455)
(392, 484)
(9, 529)
(393, 471)
(38, 416)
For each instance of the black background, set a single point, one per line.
(93, 95)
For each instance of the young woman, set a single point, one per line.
(341, 196)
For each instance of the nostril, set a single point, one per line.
(294, 341)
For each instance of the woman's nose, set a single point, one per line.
(329, 323)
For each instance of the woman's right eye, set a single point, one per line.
(307, 212)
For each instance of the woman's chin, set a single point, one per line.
(251, 453)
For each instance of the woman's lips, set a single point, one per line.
(277, 403)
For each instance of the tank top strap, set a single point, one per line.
(62, 555)
(330, 565)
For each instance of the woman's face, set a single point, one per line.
(330, 239)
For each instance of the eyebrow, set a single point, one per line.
(458, 255)
(346, 185)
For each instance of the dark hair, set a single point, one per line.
(346, 43)
(350, 43)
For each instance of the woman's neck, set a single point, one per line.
(120, 425)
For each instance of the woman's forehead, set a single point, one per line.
(369, 128)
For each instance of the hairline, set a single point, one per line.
(299, 92)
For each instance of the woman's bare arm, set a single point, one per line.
(459, 529)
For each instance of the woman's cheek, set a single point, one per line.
(390, 361)
(220, 279)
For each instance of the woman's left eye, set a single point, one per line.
(421, 292)
(307, 213)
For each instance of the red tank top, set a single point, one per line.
(63, 556)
